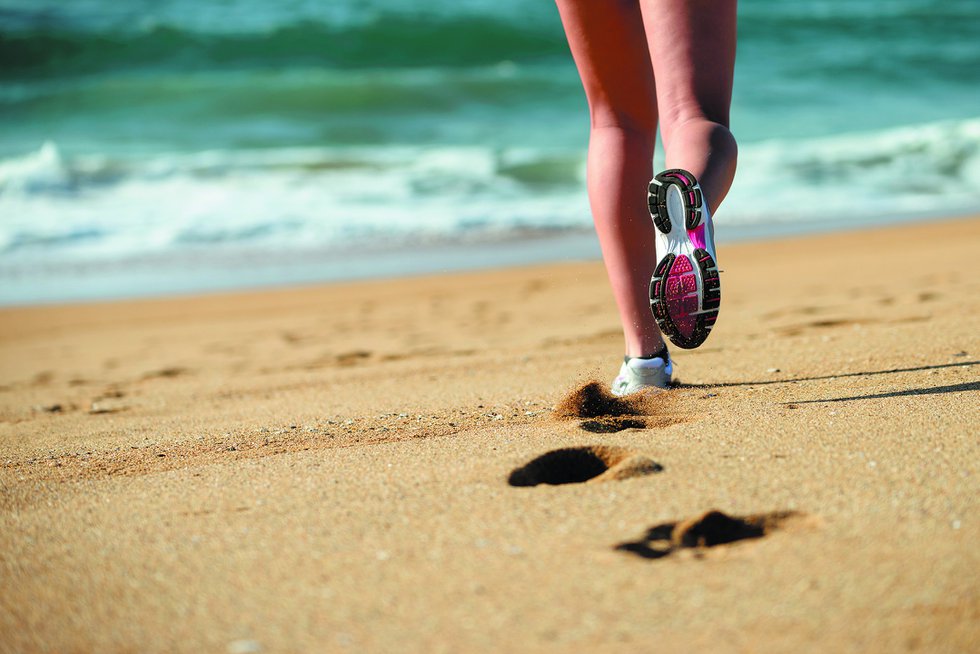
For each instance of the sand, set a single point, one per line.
(327, 468)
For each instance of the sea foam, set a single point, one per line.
(89, 207)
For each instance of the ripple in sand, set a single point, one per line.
(575, 465)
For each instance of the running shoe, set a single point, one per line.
(685, 291)
(638, 374)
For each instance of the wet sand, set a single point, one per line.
(371, 466)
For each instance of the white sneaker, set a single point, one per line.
(638, 374)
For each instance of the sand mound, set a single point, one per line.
(593, 400)
(605, 413)
(575, 465)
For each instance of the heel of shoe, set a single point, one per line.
(657, 203)
(690, 192)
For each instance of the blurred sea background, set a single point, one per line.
(161, 146)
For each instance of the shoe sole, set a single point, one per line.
(685, 291)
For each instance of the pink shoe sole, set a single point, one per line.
(685, 291)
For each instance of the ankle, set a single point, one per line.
(662, 353)
(647, 351)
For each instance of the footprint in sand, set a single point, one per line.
(168, 372)
(575, 465)
(711, 529)
(611, 425)
(352, 358)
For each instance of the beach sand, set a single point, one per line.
(328, 468)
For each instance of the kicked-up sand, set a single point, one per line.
(422, 465)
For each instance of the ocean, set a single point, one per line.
(163, 146)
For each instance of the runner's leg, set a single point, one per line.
(610, 50)
(692, 49)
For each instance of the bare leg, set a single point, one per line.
(609, 45)
(692, 48)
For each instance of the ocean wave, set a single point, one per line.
(409, 41)
(313, 95)
(96, 207)
(47, 172)
(35, 173)
(58, 39)
(929, 168)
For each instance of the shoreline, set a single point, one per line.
(205, 271)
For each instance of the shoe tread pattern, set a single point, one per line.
(657, 199)
(668, 291)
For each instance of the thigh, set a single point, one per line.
(692, 50)
(609, 46)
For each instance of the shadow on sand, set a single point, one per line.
(868, 373)
(934, 390)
